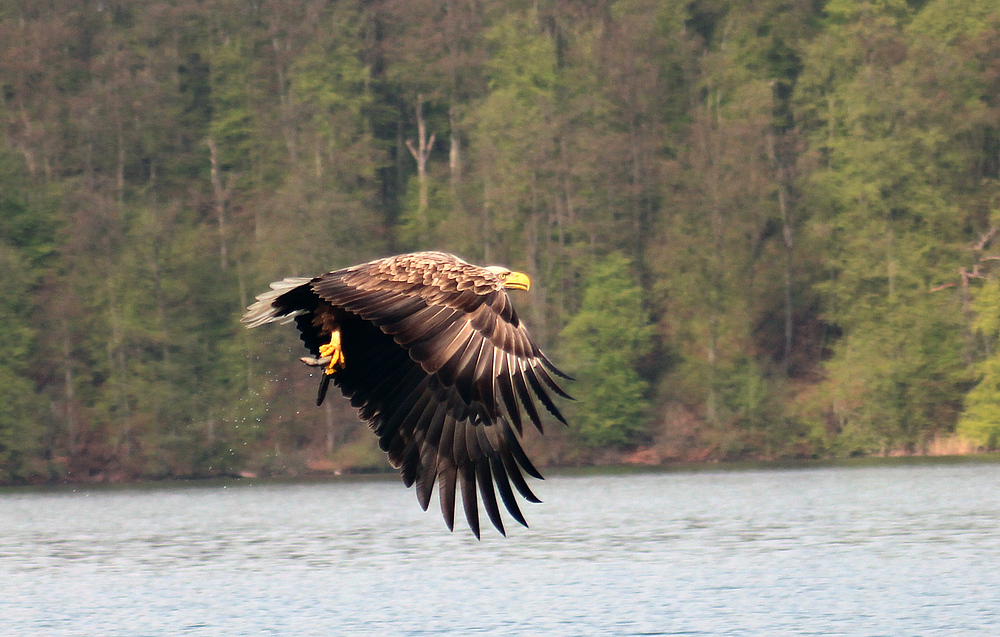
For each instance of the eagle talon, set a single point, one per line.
(332, 353)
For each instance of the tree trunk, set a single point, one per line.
(285, 103)
(119, 370)
(161, 308)
(487, 226)
(454, 160)
(120, 176)
(421, 153)
(71, 426)
(781, 176)
(716, 265)
(787, 235)
(221, 197)
(537, 306)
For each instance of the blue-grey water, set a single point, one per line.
(911, 550)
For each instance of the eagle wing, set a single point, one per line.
(438, 363)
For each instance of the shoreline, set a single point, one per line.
(549, 471)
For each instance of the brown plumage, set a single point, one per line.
(434, 357)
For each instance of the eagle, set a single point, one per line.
(430, 351)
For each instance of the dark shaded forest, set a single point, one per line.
(755, 229)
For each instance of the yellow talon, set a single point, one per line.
(334, 351)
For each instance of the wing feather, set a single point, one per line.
(552, 368)
(465, 377)
(522, 393)
(543, 373)
(357, 299)
(485, 321)
(469, 502)
(412, 407)
(505, 385)
(409, 457)
(485, 479)
(448, 372)
(484, 384)
(430, 327)
(446, 490)
(399, 310)
(433, 353)
(503, 488)
(391, 389)
(413, 321)
(517, 453)
(429, 459)
(514, 472)
(543, 395)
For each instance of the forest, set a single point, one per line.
(755, 230)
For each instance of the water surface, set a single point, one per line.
(836, 551)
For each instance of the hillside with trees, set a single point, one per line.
(755, 230)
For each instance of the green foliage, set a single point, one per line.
(788, 191)
(897, 382)
(19, 407)
(27, 242)
(845, 11)
(429, 226)
(980, 420)
(949, 21)
(513, 123)
(329, 84)
(893, 196)
(232, 124)
(603, 343)
(722, 258)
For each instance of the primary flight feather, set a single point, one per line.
(431, 352)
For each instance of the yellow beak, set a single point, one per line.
(517, 281)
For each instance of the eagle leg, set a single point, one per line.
(333, 352)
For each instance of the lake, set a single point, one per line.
(891, 550)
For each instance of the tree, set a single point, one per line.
(722, 264)
(435, 62)
(27, 237)
(603, 344)
(893, 124)
(980, 420)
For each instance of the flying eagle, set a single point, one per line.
(431, 352)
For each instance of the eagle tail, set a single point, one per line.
(267, 309)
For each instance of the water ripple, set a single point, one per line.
(874, 551)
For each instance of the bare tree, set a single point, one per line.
(421, 153)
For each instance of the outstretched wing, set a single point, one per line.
(439, 364)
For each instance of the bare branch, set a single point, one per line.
(985, 238)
